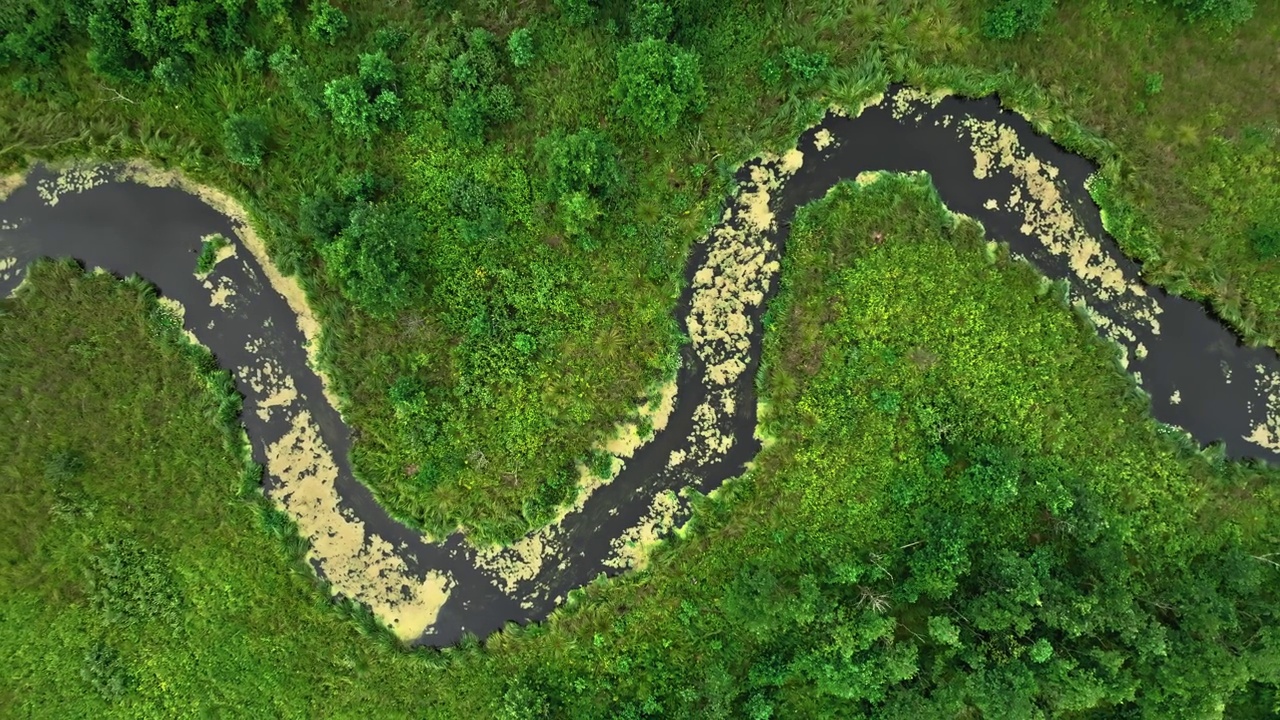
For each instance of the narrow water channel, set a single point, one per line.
(986, 163)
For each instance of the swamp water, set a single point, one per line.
(985, 163)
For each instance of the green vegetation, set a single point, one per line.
(490, 207)
(955, 543)
(531, 312)
(658, 83)
(209, 253)
(1008, 19)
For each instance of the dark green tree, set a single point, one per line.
(658, 84)
(377, 259)
(576, 12)
(651, 19)
(327, 22)
(245, 138)
(520, 47)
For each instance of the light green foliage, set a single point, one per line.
(520, 47)
(254, 59)
(805, 67)
(327, 21)
(172, 72)
(658, 84)
(1153, 84)
(363, 103)
(245, 138)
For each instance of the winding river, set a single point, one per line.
(986, 163)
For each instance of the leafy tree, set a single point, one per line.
(651, 19)
(520, 47)
(576, 12)
(1008, 19)
(172, 72)
(805, 66)
(360, 104)
(579, 213)
(327, 21)
(377, 259)
(471, 81)
(585, 161)
(658, 84)
(254, 59)
(277, 10)
(245, 139)
(32, 33)
(129, 39)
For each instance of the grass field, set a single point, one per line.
(982, 521)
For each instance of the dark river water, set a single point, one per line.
(986, 163)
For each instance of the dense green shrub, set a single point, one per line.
(107, 672)
(209, 253)
(658, 84)
(245, 138)
(327, 21)
(805, 67)
(585, 161)
(362, 103)
(277, 10)
(130, 39)
(576, 12)
(651, 19)
(582, 175)
(172, 72)
(520, 47)
(1222, 12)
(378, 259)
(1008, 19)
(32, 33)
(1264, 237)
(130, 585)
(254, 59)
(470, 79)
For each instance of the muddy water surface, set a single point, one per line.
(986, 164)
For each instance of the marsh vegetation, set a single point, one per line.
(490, 208)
